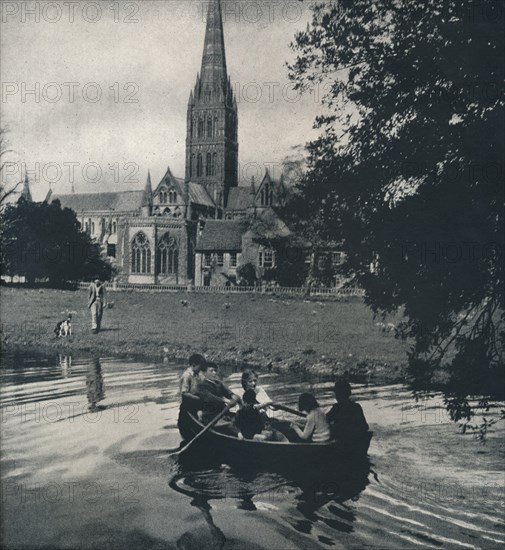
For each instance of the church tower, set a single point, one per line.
(211, 140)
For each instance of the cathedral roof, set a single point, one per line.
(221, 235)
(198, 194)
(123, 201)
(239, 198)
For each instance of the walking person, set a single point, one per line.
(96, 298)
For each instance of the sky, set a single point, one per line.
(110, 83)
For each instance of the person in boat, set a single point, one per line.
(213, 394)
(250, 382)
(190, 401)
(346, 419)
(253, 423)
(316, 427)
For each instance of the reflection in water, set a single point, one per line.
(266, 491)
(436, 490)
(65, 362)
(193, 539)
(94, 384)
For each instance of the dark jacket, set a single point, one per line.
(347, 421)
(250, 421)
(211, 392)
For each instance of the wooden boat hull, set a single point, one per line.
(225, 448)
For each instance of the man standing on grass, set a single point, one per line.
(96, 297)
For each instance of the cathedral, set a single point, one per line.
(194, 229)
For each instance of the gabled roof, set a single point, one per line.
(199, 195)
(277, 186)
(221, 236)
(123, 201)
(239, 198)
(197, 192)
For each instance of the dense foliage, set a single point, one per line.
(45, 242)
(408, 175)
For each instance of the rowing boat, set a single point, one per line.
(222, 444)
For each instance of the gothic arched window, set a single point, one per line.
(216, 126)
(200, 127)
(267, 196)
(208, 165)
(141, 254)
(210, 129)
(208, 95)
(167, 258)
(172, 196)
(194, 127)
(199, 165)
(214, 164)
(192, 168)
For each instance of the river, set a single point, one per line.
(84, 464)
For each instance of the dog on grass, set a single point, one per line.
(64, 328)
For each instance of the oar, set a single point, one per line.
(288, 409)
(210, 425)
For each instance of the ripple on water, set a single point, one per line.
(424, 487)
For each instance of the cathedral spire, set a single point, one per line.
(214, 57)
(147, 198)
(212, 119)
(26, 194)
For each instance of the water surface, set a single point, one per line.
(84, 465)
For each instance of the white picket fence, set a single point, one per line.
(273, 291)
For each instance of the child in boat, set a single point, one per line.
(188, 386)
(316, 428)
(214, 395)
(250, 382)
(253, 423)
(346, 418)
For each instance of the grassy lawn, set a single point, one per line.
(291, 334)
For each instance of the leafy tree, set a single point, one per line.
(42, 241)
(7, 190)
(290, 268)
(323, 271)
(408, 175)
(247, 274)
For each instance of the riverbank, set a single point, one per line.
(306, 337)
